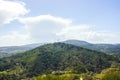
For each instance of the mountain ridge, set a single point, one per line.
(106, 48)
(113, 49)
(57, 57)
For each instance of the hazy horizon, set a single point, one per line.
(56, 42)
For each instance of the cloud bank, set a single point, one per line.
(44, 28)
(48, 28)
(10, 10)
(13, 39)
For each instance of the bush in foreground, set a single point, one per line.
(112, 76)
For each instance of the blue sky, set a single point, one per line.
(28, 21)
(105, 13)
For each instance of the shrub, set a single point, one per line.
(112, 76)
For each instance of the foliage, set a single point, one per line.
(9, 77)
(111, 49)
(58, 77)
(56, 57)
(112, 76)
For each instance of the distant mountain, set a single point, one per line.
(10, 50)
(56, 57)
(107, 48)
(77, 42)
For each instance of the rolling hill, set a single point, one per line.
(56, 57)
(112, 49)
(10, 50)
(106, 48)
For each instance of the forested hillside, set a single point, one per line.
(111, 49)
(52, 58)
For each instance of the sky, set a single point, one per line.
(39, 21)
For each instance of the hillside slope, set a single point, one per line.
(57, 57)
(106, 48)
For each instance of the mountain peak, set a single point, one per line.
(77, 42)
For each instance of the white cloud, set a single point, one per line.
(86, 33)
(10, 10)
(13, 38)
(103, 37)
(47, 28)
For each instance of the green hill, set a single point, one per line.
(112, 49)
(56, 57)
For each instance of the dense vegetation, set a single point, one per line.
(112, 76)
(106, 74)
(56, 59)
(112, 49)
